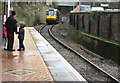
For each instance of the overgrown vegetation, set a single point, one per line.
(31, 13)
(27, 12)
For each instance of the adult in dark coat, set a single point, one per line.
(11, 25)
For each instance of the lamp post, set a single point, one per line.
(8, 8)
(4, 17)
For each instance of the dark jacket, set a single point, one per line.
(21, 32)
(11, 25)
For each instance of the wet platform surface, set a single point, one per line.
(25, 65)
(39, 62)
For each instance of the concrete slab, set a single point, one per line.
(60, 69)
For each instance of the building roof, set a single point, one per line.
(77, 9)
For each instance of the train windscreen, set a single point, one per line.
(51, 13)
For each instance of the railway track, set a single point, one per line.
(91, 71)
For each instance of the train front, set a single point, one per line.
(51, 16)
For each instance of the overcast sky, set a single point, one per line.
(88, 0)
(61, 0)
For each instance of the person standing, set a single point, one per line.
(4, 35)
(11, 25)
(21, 37)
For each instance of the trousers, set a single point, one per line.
(21, 45)
(10, 41)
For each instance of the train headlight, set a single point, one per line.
(55, 17)
(51, 17)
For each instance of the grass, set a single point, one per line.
(101, 39)
(72, 33)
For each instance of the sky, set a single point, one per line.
(88, 0)
(61, 0)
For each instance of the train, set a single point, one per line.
(52, 16)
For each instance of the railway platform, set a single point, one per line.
(39, 62)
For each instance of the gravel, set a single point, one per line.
(106, 64)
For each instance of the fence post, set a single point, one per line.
(109, 26)
(70, 19)
(77, 22)
(98, 24)
(89, 26)
(74, 20)
(83, 21)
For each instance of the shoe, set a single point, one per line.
(5, 49)
(10, 49)
(19, 50)
(23, 49)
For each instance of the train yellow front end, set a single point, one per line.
(52, 16)
(51, 19)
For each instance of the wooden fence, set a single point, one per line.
(100, 24)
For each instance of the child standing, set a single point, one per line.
(4, 35)
(21, 37)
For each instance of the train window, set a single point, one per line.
(51, 13)
(55, 13)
